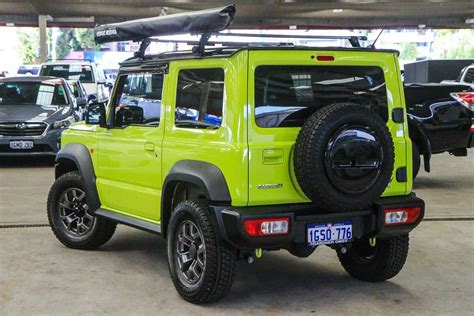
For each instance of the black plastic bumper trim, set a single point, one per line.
(364, 223)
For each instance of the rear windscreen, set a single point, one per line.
(285, 96)
(69, 72)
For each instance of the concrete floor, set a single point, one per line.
(129, 275)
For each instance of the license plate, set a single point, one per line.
(21, 144)
(329, 233)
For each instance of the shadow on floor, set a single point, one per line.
(26, 162)
(277, 279)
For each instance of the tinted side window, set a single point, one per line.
(285, 96)
(200, 98)
(140, 99)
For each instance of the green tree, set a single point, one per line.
(408, 51)
(74, 40)
(85, 40)
(454, 44)
(29, 45)
(63, 43)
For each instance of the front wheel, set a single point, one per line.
(375, 260)
(70, 218)
(201, 264)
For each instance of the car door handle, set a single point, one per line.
(149, 147)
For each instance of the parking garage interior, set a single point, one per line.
(130, 273)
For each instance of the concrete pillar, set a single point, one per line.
(42, 38)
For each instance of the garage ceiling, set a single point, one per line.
(263, 13)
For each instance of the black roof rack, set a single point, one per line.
(205, 23)
(353, 40)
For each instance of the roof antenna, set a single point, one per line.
(376, 39)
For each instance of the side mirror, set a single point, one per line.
(101, 81)
(95, 114)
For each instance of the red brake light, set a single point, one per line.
(324, 58)
(267, 226)
(465, 98)
(400, 216)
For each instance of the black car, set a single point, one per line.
(440, 118)
(33, 113)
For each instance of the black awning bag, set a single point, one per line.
(197, 22)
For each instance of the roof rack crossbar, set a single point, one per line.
(205, 39)
(329, 37)
(214, 42)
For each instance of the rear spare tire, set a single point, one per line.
(343, 157)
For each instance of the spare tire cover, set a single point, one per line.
(344, 157)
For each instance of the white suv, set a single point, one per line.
(89, 73)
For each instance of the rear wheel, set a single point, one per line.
(70, 218)
(377, 261)
(201, 264)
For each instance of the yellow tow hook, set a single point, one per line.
(258, 252)
(372, 242)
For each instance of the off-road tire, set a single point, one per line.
(218, 274)
(310, 152)
(416, 159)
(389, 257)
(100, 233)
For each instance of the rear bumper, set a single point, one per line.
(368, 223)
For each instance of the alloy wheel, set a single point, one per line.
(74, 213)
(190, 253)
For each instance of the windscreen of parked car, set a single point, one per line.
(44, 93)
(285, 96)
(69, 72)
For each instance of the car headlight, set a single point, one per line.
(64, 123)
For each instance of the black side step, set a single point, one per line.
(129, 221)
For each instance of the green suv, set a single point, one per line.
(226, 151)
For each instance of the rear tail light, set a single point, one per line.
(267, 226)
(400, 216)
(465, 98)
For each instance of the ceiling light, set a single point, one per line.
(337, 10)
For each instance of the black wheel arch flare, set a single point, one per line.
(419, 137)
(206, 176)
(78, 156)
